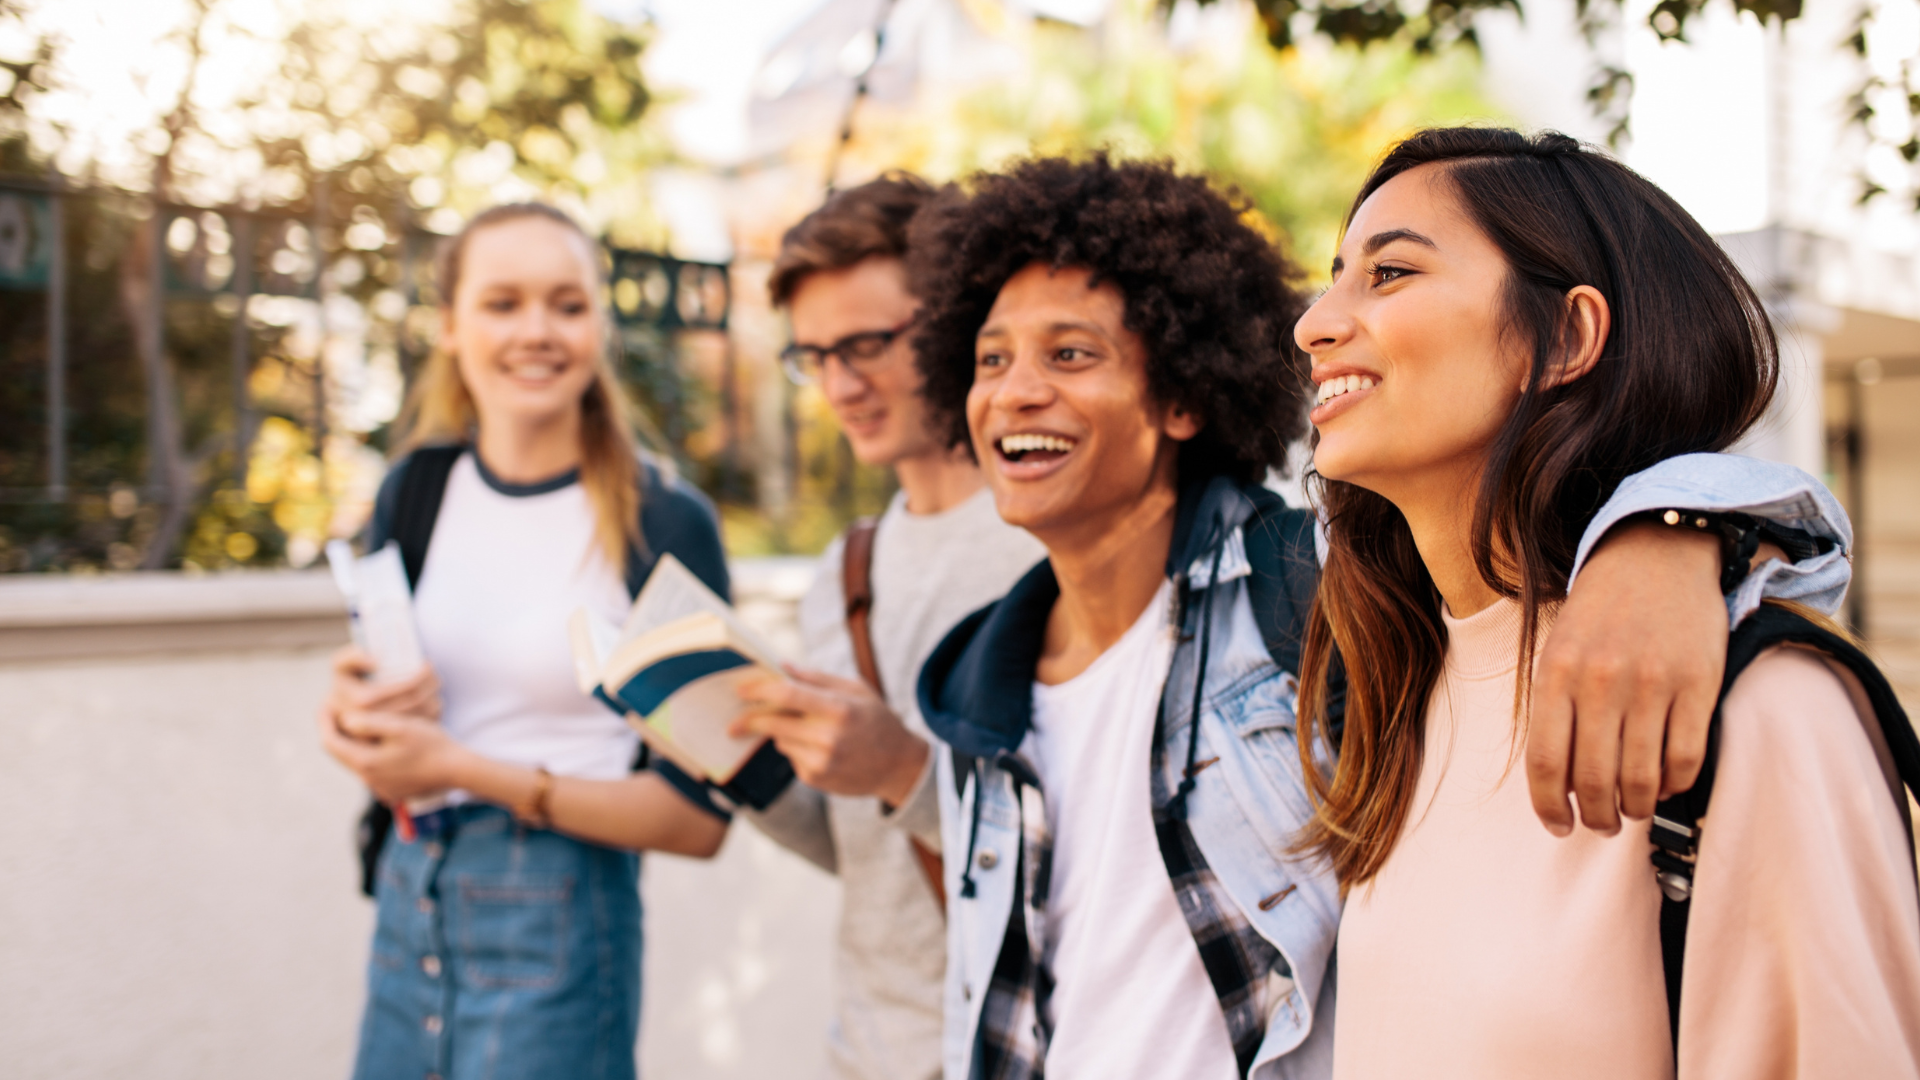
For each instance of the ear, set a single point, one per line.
(1180, 425)
(1589, 321)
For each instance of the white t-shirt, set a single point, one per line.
(506, 568)
(1131, 998)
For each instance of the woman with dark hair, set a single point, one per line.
(1514, 326)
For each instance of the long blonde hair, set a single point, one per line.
(439, 409)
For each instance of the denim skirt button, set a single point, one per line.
(424, 905)
(433, 1025)
(430, 965)
(988, 859)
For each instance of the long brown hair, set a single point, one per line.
(439, 408)
(1689, 364)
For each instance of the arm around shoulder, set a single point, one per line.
(1781, 495)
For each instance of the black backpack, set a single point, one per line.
(422, 486)
(1676, 820)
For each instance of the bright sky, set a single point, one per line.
(709, 52)
(706, 53)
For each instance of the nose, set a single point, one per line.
(840, 383)
(536, 324)
(1024, 387)
(1326, 325)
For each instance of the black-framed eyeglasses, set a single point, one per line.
(864, 353)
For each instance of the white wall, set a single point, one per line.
(180, 894)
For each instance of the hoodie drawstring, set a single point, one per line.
(973, 833)
(1177, 806)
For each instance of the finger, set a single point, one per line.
(1642, 734)
(1596, 763)
(767, 691)
(808, 764)
(793, 732)
(368, 726)
(1550, 750)
(416, 700)
(793, 698)
(1687, 728)
(355, 756)
(847, 687)
(352, 662)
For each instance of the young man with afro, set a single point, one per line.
(1113, 342)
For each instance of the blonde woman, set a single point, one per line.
(508, 935)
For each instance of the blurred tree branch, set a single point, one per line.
(364, 129)
(1430, 25)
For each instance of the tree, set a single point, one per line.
(1428, 26)
(1294, 131)
(365, 131)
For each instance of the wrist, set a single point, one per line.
(909, 765)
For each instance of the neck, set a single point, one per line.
(939, 481)
(1109, 572)
(1439, 513)
(522, 452)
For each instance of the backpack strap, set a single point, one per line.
(423, 484)
(856, 584)
(1286, 573)
(422, 487)
(1676, 820)
(1282, 552)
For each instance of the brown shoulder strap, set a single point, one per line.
(856, 584)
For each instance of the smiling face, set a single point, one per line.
(1414, 372)
(879, 407)
(1060, 413)
(524, 326)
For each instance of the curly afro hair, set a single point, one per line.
(1209, 296)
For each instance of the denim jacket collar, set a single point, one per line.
(976, 690)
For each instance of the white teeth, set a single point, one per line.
(1019, 444)
(1345, 384)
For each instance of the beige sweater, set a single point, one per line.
(1488, 948)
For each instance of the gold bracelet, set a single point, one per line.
(534, 813)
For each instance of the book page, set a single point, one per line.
(672, 592)
(593, 639)
(694, 722)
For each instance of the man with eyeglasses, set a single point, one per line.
(865, 807)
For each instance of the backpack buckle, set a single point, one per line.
(1675, 848)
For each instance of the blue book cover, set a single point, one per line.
(673, 671)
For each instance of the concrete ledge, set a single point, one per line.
(50, 617)
(58, 617)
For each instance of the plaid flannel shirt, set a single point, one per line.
(1242, 965)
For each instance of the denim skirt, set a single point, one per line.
(502, 952)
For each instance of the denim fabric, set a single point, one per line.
(1247, 805)
(502, 953)
(1766, 489)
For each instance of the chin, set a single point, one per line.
(878, 450)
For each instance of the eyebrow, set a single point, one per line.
(991, 330)
(1381, 239)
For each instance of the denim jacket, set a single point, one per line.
(1228, 797)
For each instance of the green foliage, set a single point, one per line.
(366, 129)
(1295, 132)
(1429, 26)
(1426, 25)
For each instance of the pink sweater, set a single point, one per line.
(1488, 948)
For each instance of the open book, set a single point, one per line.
(673, 671)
